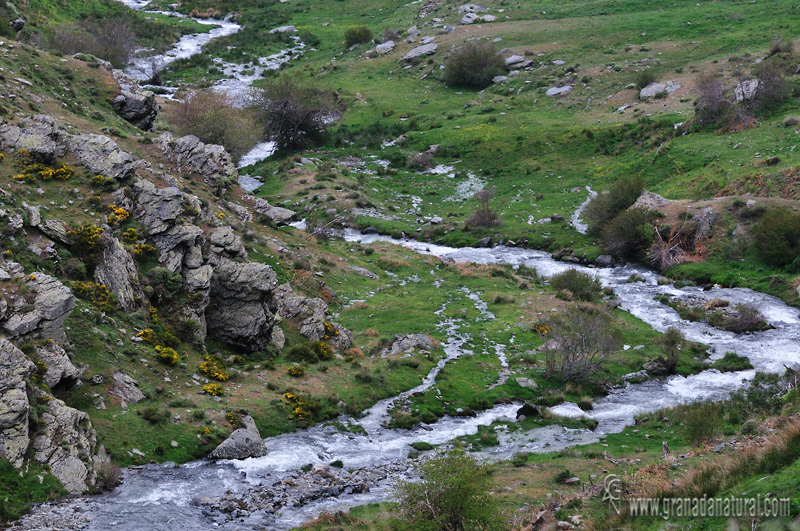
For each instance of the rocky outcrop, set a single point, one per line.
(117, 270)
(238, 312)
(408, 343)
(313, 316)
(135, 104)
(61, 373)
(42, 314)
(66, 442)
(224, 241)
(421, 51)
(38, 134)
(278, 215)
(649, 199)
(210, 161)
(385, 47)
(102, 156)
(14, 406)
(126, 388)
(242, 443)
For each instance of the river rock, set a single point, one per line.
(409, 342)
(656, 368)
(242, 443)
(39, 134)
(604, 260)
(484, 243)
(126, 388)
(102, 156)
(419, 51)
(135, 104)
(528, 410)
(117, 270)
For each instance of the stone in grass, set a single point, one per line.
(242, 443)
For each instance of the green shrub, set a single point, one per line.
(701, 422)
(644, 78)
(302, 352)
(603, 208)
(357, 35)
(732, 362)
(20, 488)
(562, 477)
(421, 446)
(473, 65)
(776, 237)
(630, 234)
(583, 286)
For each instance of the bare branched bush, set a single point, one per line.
(485, 215)
(294, 113)
(781, 45)
(214, 118)
(473, 65)
(112, 40)
(580, 341)
(390, 35)
(676, 244)
(420, 161)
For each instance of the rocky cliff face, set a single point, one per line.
(228, 296)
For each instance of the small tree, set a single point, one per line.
(671, 343)
(473, 65)
(294, 113)
(453, 494)
(581, 341)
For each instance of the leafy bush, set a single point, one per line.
(605, 206)
(357, 35)
(776, 237)
(701, 422)
(453, 493)
(296, 371)
(167, 355)
(671, 343)
(582, 286)
(630, 234)
(563, 476)
(473, 65)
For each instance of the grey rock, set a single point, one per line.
(362, 271)
(18, 24)
(224, 240)
(278, 215)
(56, 230)
(419, 51)
(241, 444)
(655, 368)
(604, 260)
(284, 29)
(313, 316)
(558, 91)
(15, 367)
(210, 161)
(410, 342)
(134, 103)
(39, 134)
(653, 89)
(514, 60)
(50, 308)
(529, 410)
(126, 388)
(385, 48)
(484, 243)
(499, 79)
(471, 8)
(117, 270)
(61, 373)
(648, 199)
(747, 90)
(102, 156)
(527, 382)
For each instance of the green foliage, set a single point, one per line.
(701, 422)
(581, 285)
(562, 477)
(19, 489)
(732, 362)
(605, 207)
(630, 233)
(644, 78)
(357, 35)
(671, 343)
(453, 494)
(421, 446)
(776, 237)
(473, 65)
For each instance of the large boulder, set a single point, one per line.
(102, 156)
(409, 342)
(14, 405)
(241, 444)
(210, 161)
(38, 134)
(238, 312)
(420, 51)
(135, 104)
(66, 442)
(312, 314)
(224, 240)
(60, 373)
(46, 314)
(117, 270)
(126, 388)
(278, 215)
